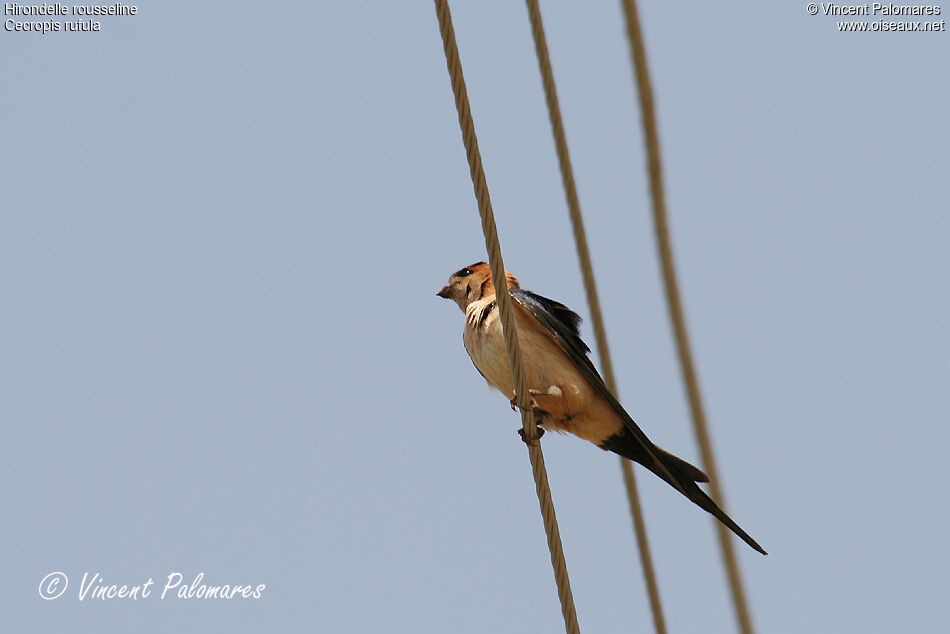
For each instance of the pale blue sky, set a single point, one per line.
(223, 226)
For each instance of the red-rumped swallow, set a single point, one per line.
(567, 393)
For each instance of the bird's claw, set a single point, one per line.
(533, 403)
(514, 404)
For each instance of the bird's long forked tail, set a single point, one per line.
(686, 476)
(697, 496)
(703, 501)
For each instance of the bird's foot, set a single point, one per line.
(552, 392)
(533, 403)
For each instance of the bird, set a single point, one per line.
(567, 394)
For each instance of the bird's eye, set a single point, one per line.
(463, 273)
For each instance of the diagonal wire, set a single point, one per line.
(593, 303)
(651, 136)
(467, 126)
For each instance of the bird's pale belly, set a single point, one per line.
(545, 366)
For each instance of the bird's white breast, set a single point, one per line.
(485, 342)
(544, 363)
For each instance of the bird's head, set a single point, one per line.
(471, 284)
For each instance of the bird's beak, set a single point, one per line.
(444, 293)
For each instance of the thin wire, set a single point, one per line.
(467, 126)
(593, 302)
(638, 53)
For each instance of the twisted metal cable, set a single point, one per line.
(651, 136)
(513, 347)
(593, 302)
